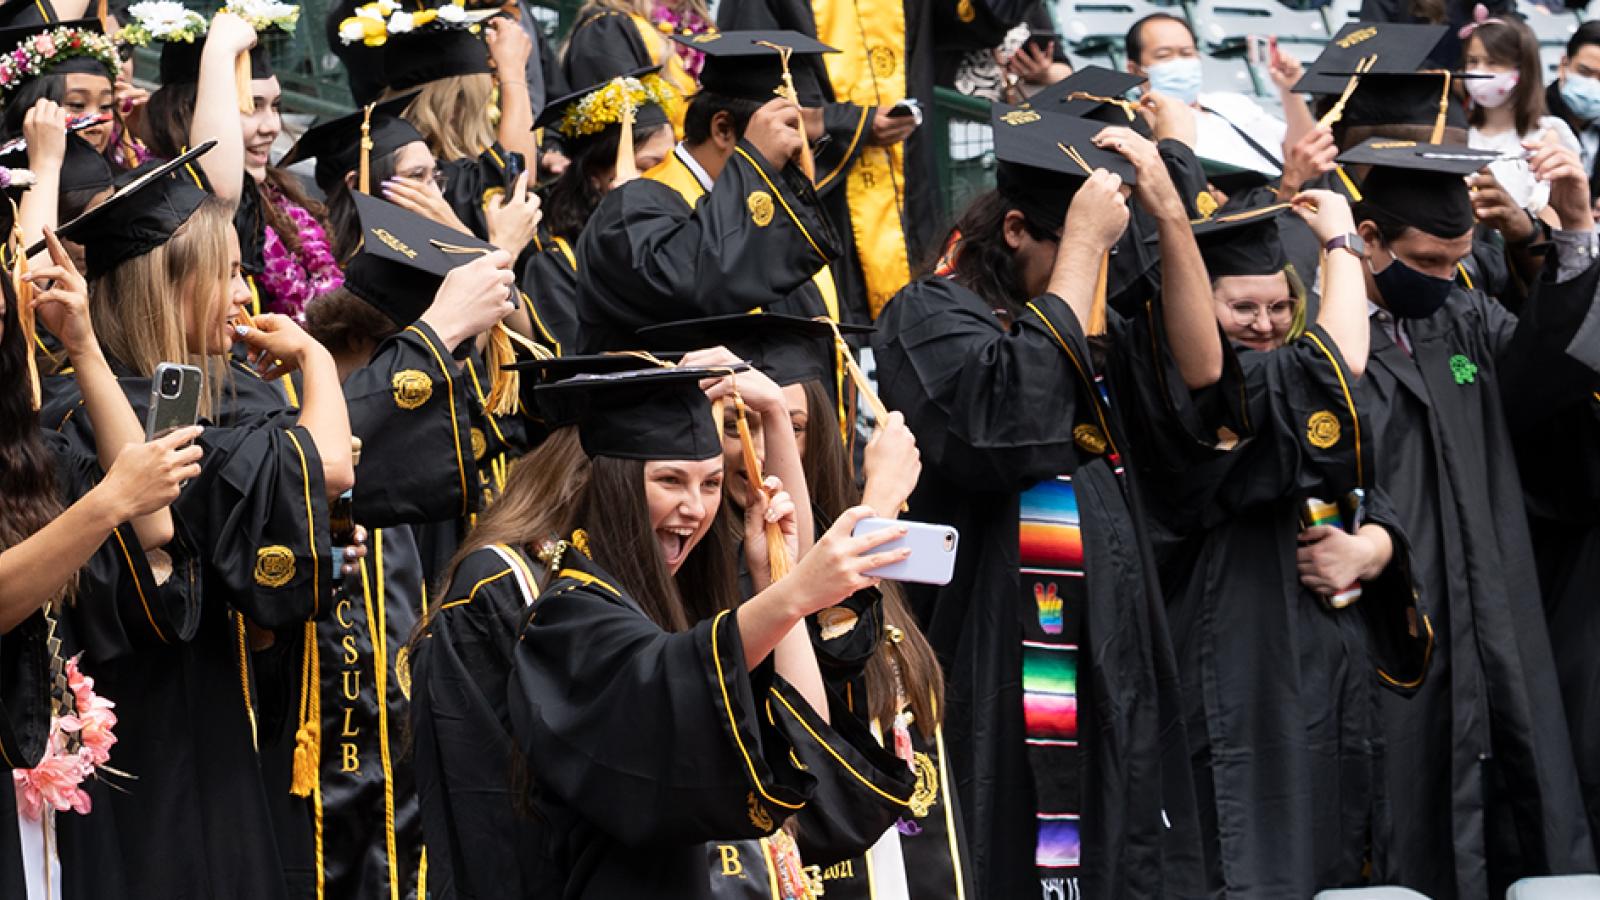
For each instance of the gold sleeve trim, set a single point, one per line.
(782, 202)
(143, 601)
(834, 753)
(733, 726)
(1427, 657)
(855, 139)
(1088, 383)
(450, 391)
(1349, 402)
(311, 527)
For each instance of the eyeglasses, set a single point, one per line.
(437, 176)
(1279, 312)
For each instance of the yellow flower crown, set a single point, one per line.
(603, 107)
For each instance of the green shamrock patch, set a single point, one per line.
(1464, 370)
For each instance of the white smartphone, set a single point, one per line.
(174, 399)
(933, 551)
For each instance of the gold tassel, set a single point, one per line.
(364, 178)
(308, 737)
(241, 79)
(104, 16)
(1444, 107)
(859, 379)
(1349, 184)
(1097, 309)
(23, 291)
(788, 92)
(778, 562)
(504, 384)
(1336, 112)
(627, 169)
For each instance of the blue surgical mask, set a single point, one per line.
(1178, 78)
(1582, 96)
(1410, 294)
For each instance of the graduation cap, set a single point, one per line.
(788, 349)
(1045, 157)
(148, 206)
(647, 414)
(341, 145)
(403, 257)
(441, 50)
(182, 46)
(584, 115)
(1094, 92)
(536, 372)
(76, 46)
(1242, 243)
(83, 168)
(1420, 184)
(757, 65)
(14, 13)
(1376, 72)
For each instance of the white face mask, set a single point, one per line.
(1491, 92)
(1178, 78)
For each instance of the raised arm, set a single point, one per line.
(279, 346)
(509, 47)
(45, 128)
(1344, 290)
(216, 105)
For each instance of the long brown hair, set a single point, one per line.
(833, 492)
(285, 183)
(141, 308)
(1510, 42)
(28, 498)
(453, 115)
(614, 514)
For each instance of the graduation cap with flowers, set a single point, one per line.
(180, 30)
(47, 47)
(623, 103)
(423, 45)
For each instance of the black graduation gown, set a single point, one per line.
(995, 411)
(1558, 452)
(1281, 690)
(470, 182)
(707, 752)
(848, 127)
(1491, 708)
(192, 712)
(364, 811)
(647, 256)
(24, 729)
(603, 45)
(548, 276)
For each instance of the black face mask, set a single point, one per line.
(1409, 294)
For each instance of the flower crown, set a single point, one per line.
(169, 20)
(373, 22)
(603, 107)
(38, 53)
(16, 178)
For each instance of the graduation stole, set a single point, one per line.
(870, 71)
(674, 174)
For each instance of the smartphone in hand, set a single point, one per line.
(174, 399)
(933, 551)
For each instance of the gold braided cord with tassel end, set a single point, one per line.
(308, 737)
(22, 290)
(778, 561)
(364, 176)
(788, 92)
(859, 379)
(505, 384)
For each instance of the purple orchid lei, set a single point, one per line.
(291, 279)
(672, 21)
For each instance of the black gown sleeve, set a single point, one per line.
(603, 46)
(1548, 358)
(412, 410)
(24, 694)
(848, 128)
(752, 241)
(548, 277)
(1400, 636)
(989, 406)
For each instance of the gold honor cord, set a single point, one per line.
(1096, 325)
(23, 291)
(364, 179)
(788, 92)
(1336, 112)
(858, 378)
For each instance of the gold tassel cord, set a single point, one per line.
(1444, 107)
(787, 91)
(778, 561)
(627, 169)
(1097, 309)
(1127, 106)
(859, 379)
(364, 179)
(22, 291)
(1336, 112)
(308, 737)
(241, 78)
(504, 383)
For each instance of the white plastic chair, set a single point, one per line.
(1556, 887)
(1375, 892)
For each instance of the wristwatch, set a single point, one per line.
(1347, 241)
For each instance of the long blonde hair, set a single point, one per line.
(141, 308)
(453, 115)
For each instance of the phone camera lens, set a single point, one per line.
(171, 381)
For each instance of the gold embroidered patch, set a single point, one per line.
(706, 37)
(412, 388)
(274, 566)
(394, 243)
(1089, 438)
(884, 62)
(480, 444)
(402, 671)
(1205, 204)
(926, 793)
(1021, 117)
(1322, 429)
(760, 205)
(759, 817)
(965, 12)
(1356, 37)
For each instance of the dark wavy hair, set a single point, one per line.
(164, 128)
(572, 198)
(28, 498)
(344, 226)
(982, 261)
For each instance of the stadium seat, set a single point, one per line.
(1556, 887)
(1375, 892)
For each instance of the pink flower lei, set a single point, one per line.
(80, 743)
(294, 279)
(686, 22)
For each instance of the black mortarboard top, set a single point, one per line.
(748, 65)
(1094, 92)
(336, 143)
(569, 117)
(1370, 48)
(65, 60)
(440, 50)
(403, 257)
(1422, 185)
(536, 372)
(17, 13)
(788, 349)
(180, 60)
(1245, 242)
(82, 166)
(648, 414)
(1044, 158)
(149, 205)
